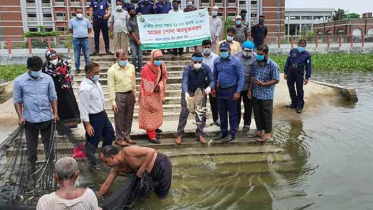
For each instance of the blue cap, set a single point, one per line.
(225, 46)
(248, 45)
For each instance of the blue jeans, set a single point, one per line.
(136, 55)
(81, 44)
(226, 104)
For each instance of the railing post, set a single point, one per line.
(29, 46)
(317, 40)
(9, 46)
(328, 40)
(362, 40)
(340, 41)
(352, 40)
(49, 43)
(292, 41)
(278, 41)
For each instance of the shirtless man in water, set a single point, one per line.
(137, 159)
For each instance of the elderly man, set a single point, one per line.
(233, 45)
(137, 160)
(92, 112)
(34, 96)
(122, 87)
(195, 76)
(216, 26)
(247, 57)
(241, 31)
(229, 78)
(68, 197)
(118, 27)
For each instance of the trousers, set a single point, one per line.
(295, 79)
(263, 112)
(123, 119)
(227, 105)
(101, 25)
(248, 108)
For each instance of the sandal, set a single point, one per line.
(263, 139)
(253, 135)
(122, 143)
(130, 141)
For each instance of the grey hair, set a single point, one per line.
(66, 168)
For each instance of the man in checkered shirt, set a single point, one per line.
(265, 75)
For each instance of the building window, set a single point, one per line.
(31, 15)
(61, 29)
(47, 15)
(231, 14)
(30, 1)
(48, 29)
(60, 14)
(218, 1)
(46, 1)
(33, 29)
(254, 2)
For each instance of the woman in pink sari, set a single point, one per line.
(152, 94)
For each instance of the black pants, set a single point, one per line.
(296, 76)
(162, 175)
(248, 107)
(178, 49)
(263, 111)
(32, 131)
(100, 24)
(214, 108)
(102, 127)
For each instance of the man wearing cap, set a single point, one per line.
(241, 31)
(247, 57)
(127, 5)
(233, 45)
(195, 75)
(229, 77)
(215, 27)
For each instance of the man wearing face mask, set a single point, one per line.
(133, 29)
(176, 10)
(208, 59)
(259, 32)
(80, 27)
(100, 10)
(229, 77)
(92, 112)
(163, 7)
(241, 31)
(127, 5)
(234, 46)
(247, 57)
(122, 87)
(118, 27)
(215, 27)
(298, 61)
(145, 7)
(243, 17)
(34, 95)
(266, 74)
(190, 6)
(195, 76)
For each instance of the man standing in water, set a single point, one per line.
(134, 159)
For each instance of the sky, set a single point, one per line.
(357, 6)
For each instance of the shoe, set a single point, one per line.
(108, 52)
(78, 71)
(179, 140)
(158, 136)
(130, 141)
(154, 141)
(299, 110)
(229, 138)
(158, 131)
(291, 106)
(246, 128)
(95, 52)
(217, 123)
(220, 137)
(201, 139)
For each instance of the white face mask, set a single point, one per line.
(230, 38)
(54, 62)
(214, 13)
(189, 3)
(80, 15)
(119, 7)
(197, 66)
(247, 53)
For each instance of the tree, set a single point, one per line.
(353, 15)
(339, 14)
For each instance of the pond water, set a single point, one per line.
(326, 163)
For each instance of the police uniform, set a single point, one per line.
(128, 6)
(145, 8)
(295, 65)
(99, 23)
(163, 8)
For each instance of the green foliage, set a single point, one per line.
(10, 72)
(339, 14)
(353, 15)
(41, 33)
(69, 42)
(43, 44)
(228, 22)
(334, 62)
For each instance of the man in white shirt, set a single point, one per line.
(68, 197)
(208, 59)
(176, 10)
(118, 27)
(216, 26)
(92, 112)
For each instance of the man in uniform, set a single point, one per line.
(298, 61)
(127, 5)
(100, 9)
(163, 7)
(259, 32)
(145, 7)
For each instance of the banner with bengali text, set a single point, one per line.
(169, 31)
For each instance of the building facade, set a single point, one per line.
(356, 27)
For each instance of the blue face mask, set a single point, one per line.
(260, 57)
(301, 49)
(96, 77)
(35, 74)
(157, 62)
(122, 63)
(238, 22)
(207, 51)
(224, 54)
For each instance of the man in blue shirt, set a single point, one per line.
(229, 78)
(163, 7)
(145, 7)
(195, 75)
(127, 5)
(34, 95)
(80, 27)
(298, 61)
(266, 74)
(100, 9)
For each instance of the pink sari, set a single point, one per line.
(151, 110)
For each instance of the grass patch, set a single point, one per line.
(334, 62)
(10, 72)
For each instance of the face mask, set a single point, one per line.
(260, 57)
(214, 13)
(54, 62)
(197, 66)
(127, 1)
(243, 16)
(35, 74)
(133, 15)
(229, 38)
(96, 77)
(122, 63)
(79, 15)
(157, 62)
(176, 8)
(119, 7)
(247, 53)
(261, 22)
(189, 3)
(238, 22)
(207, 51)
(301, 49)
(224, 54)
